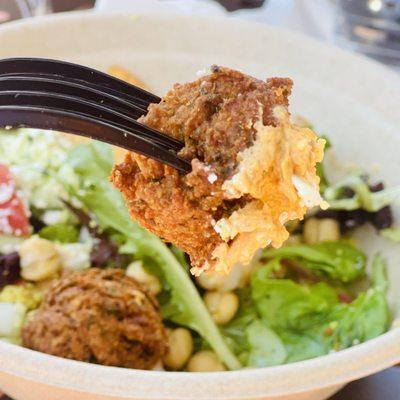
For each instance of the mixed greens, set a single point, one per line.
(297, 302)
(311, 315)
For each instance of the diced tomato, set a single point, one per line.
(13, 217)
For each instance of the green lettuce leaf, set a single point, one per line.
(250, 338)
(287, 304)
(363, 198)
(302, 345)
(266, 348)
(92, 161)
(235, 330)
(63, 233)
(337, 260)
(181, 303)
(312, 321)
(367, 316)
(323, 180)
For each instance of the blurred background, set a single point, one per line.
(371, 27)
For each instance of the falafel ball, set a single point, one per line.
(252, 169)
(100, 316)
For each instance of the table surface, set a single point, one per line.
(382, 386)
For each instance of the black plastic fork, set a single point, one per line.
(61, 96)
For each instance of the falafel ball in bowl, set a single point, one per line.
(101, 316)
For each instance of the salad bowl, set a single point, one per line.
(352, 100)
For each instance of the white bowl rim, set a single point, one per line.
(372, 356)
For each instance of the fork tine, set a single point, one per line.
(84, 107)
(62, 85)
(60, 120)
(15, 66)
(134, 101)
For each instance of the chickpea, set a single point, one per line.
(245, 275)
(321, 230)
(180, 348)
(205, 361)
(39, 259)
(237, 277)
(222, 306)
(211, 280)
(136, 271)
(329, 230)
(310, 231)
(293, 240)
